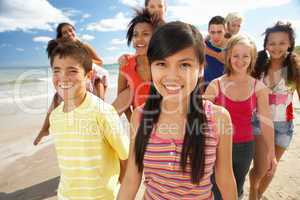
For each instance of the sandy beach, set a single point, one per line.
(28, 172)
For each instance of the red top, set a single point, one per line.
(241, 115)
(139, 87)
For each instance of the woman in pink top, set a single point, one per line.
(175, 140)
(279, 68)
(241, 95)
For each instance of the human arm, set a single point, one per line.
(266, 124)
(92, 52)
(123, 59)
(123, 101)
(133, 177)
(123, 85)
(123, 164)
(223, 168)
(46, 124)
(220, 56)
(211, 91)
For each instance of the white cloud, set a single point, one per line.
(117, 23)
(44, 39)
(112, 7)
(185, 10)
(113, 48)
(19, 49)
(32, 14)
(117, 41)
(87, 37)
(131, 3)
(85, 16)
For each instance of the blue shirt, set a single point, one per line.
(213, 68)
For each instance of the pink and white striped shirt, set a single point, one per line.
(164, 179)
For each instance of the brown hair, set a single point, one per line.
(292, 60)
(75, 50)
(59, 29)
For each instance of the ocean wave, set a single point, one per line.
(11, 100)
(25, 81)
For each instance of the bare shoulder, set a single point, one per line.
(220, 113)
(222, 121)
(212, 90)
(261, 89)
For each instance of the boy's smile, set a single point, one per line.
(69, 79)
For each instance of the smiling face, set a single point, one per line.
(157, 7)
(68, 33)
(278, 44)
(69, 78)
(141, 37)
(176, 76)
(240, 58)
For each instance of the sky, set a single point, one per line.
(27, 26)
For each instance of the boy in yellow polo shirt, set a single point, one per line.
(91, 146)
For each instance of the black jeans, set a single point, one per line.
(242, 155)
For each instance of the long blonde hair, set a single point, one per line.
(240, 39)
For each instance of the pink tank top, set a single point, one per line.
(241, 113)
(164, 178)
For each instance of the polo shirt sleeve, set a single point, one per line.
(113, 131)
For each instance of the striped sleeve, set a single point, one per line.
(114, 133)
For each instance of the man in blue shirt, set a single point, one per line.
(215, 44)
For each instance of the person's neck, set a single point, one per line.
(276, 64)
(170, 107)
(220, 46)
(71, 104)
(239, 77)
(142, 59)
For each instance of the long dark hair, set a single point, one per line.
(291, 61)
(59, 29)
(166, 41)
(142, 16)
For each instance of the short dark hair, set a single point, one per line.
(142, 16)
(218, 20)
(75, 50)
(59, 29)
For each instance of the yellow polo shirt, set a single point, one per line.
(89, 142)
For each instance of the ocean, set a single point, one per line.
(23, 84)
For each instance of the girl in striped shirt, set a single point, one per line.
(178, 139)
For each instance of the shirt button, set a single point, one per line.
(172, 153)
(170, 164)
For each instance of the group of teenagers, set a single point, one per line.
(200, 110)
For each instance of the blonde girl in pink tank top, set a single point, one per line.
(178, 139)
(242, 95)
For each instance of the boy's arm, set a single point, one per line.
(46, 124)
(223, 168)
(123, 164)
